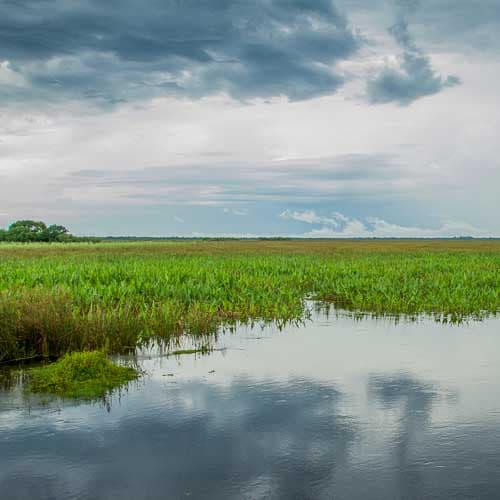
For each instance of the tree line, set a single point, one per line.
(25, 231)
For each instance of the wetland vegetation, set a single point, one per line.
(86, 375)
(60, 298)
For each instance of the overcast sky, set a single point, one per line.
(251, 117)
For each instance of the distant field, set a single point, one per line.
(64, 297)
(261, 247)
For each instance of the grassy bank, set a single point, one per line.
(60, 298)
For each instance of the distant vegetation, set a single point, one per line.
(29, 231)
(61, 298)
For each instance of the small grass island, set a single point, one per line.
(85, 375)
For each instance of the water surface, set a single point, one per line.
(337, 408)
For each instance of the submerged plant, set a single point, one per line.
(199, 350)
(85, 375)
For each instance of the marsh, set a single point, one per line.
(338, 407)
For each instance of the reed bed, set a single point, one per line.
(60, 298)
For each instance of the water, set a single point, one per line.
(335, 409)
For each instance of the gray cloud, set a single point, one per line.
(456, 25)
(413, 76)
(112, 51)
(461, 24)
(351, 181)
(351, 176)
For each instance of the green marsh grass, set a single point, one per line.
(86, 375)
(60, 298)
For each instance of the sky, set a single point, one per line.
(304, 118)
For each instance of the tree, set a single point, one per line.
(26, 230)
(55, 233)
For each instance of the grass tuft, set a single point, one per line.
(86, 375)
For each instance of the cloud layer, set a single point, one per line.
(118, 50)
(111, 52)
(310, 108)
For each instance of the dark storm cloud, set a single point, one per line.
(121, 49)
(414, 76)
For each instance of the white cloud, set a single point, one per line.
(341, 226)
(309, 217)
(239, 212)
